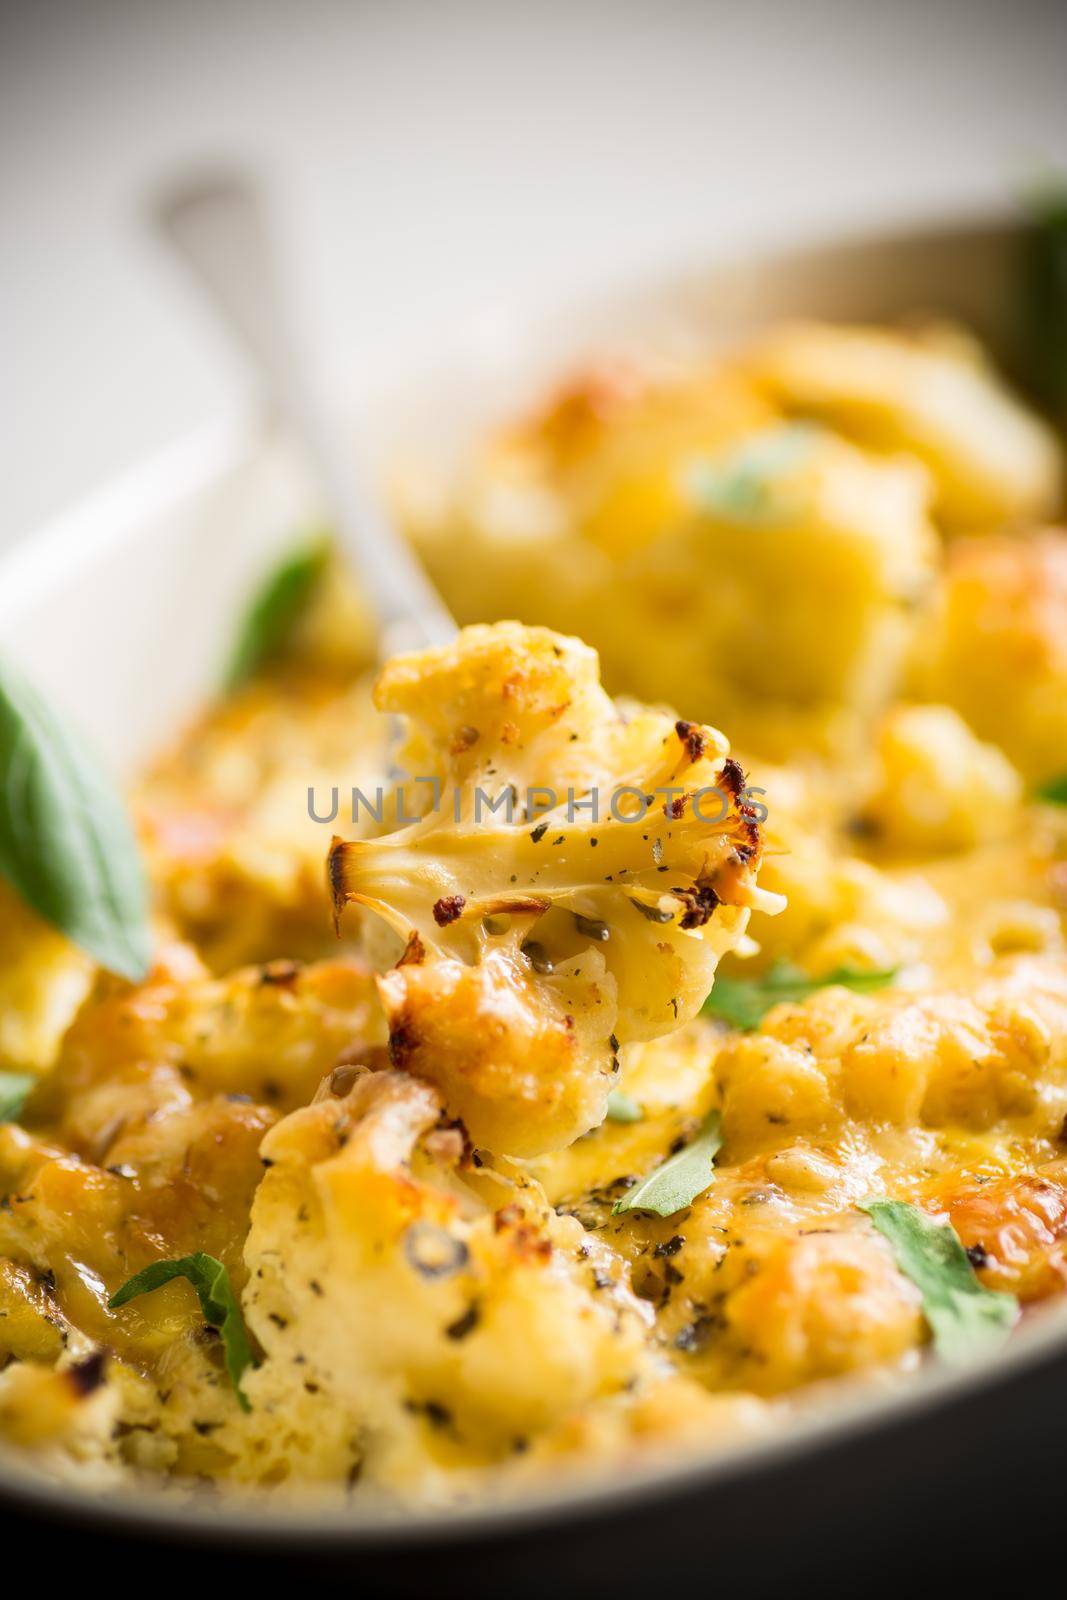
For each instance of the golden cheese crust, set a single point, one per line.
(415, 1155)
(996, 648)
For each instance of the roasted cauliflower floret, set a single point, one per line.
(144, 1144)
(815, 557)
(596, 915)
(799, 1309)
(138, 1053)
(610, 444)
(996, 648)
(549, 507)
(768, 582)
(938, 1057)
(938, 788)
(931, 396)
(421, 1315)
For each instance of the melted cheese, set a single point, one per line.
(398, 1149)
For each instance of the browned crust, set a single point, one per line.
(516, 906)
(693, 737)
(404, 1039)
(335, 879)
(86, 1376)
(732, 778)
(414, 951)
(700, 903)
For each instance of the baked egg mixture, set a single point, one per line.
(449, 1156)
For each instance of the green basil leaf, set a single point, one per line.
(623, 1108)
(965, 1317)
(274, 610)
(66, 845)
(677, 1182)
(14, 1088)
(744, 1002)
(1053, 791)
(1043, 297)
(741, 484)
(218, 1302)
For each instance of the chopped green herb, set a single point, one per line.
(744, 1002)
(217, 1301)
(1043, 296)
(1053, 791)
(677, 1182)
(274, 610)
(14, 1087)
(965, 1317)
(66, 845)
(742, 483)
(621, 1108)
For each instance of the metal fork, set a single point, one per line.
(219, 227)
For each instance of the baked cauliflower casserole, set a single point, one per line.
(598, 1089)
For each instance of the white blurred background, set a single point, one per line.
(434, 158)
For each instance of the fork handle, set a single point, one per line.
(218, 227)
